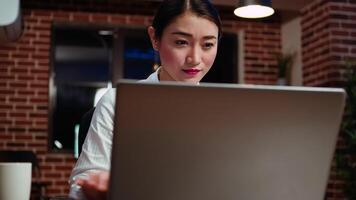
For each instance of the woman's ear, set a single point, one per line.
(154, 40)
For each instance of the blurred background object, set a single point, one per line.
(10, 20)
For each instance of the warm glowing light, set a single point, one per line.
(254, 11)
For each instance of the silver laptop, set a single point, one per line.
(223, 141)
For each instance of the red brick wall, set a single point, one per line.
(24, 77)
(328, 40)
(262, 43)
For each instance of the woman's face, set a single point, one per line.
(187, 48)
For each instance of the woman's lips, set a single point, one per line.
(191, 72)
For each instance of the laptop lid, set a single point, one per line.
(223, 141)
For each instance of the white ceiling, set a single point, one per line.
(294, 5)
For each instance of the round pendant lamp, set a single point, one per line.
(254, 9)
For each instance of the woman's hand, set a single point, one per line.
(95, 187)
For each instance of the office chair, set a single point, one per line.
(28, 156)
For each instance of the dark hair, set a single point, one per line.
(170, 9)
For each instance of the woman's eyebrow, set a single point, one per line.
(208, 37)
(190, 35)
(182, 33)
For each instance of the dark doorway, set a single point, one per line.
(224, 69)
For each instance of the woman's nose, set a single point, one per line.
(194, 56)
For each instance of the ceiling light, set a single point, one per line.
(254, 9)
(105, 32)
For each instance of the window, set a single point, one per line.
(87, 60)
(80, 67)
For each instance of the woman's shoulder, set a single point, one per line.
(109, 96)
(153, 78)
(107, 102)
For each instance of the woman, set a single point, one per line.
(186, 35)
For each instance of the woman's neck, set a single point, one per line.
(163, 75)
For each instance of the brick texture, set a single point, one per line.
(328, 41)
(25, 68)
(262, 43)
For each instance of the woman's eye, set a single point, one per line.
(208, 45)
(181, 42)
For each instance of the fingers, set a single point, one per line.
(99, 181)
(79, 181)
(95, 187)
(103, 181)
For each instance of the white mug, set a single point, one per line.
(15, 181)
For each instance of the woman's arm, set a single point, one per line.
(96, 152)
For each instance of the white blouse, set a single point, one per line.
(96, 150)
